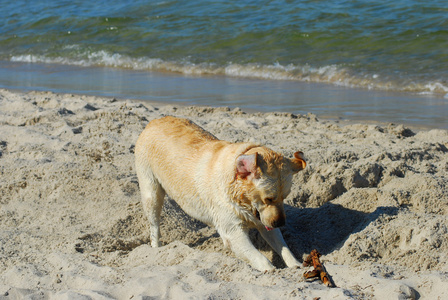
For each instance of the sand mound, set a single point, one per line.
(373, 200)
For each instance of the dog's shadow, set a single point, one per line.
(325, 228)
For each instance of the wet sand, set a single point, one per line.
(325, 100)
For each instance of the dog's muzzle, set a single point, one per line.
(257, 215)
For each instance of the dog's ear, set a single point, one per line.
(246, 165)
(298, 162)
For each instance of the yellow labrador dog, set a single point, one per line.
(232, 186)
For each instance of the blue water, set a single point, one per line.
(371, 46)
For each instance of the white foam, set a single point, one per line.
(436, 87)
(275, 72)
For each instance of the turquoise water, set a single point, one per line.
(384, 45)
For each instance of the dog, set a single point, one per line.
(231, 186)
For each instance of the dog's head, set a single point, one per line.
(264, 178)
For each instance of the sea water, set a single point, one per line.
(357, 59)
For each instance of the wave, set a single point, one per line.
(332, 74)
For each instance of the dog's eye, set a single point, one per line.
(269, 200)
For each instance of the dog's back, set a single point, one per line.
(183, 159)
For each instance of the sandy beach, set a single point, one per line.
(373, 200)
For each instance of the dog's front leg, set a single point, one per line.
(241, 245)
(276, 241)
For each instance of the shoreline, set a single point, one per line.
(71, 222)
(325, 100)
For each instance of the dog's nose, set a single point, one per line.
(278, 223)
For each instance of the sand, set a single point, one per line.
(373, 200)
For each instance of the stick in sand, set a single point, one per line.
(319, 270)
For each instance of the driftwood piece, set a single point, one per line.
(319, 270)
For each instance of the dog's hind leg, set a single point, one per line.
(152, 195)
